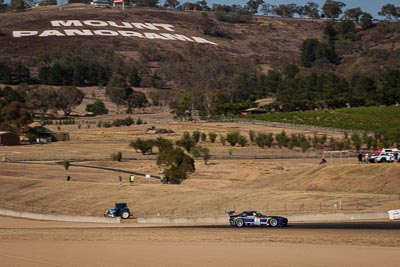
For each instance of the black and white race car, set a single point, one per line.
(255, 218)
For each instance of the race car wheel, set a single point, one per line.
(239, 222)
(273, 222)
(125, 215)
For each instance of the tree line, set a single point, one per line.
(19, 106)
(330, 9)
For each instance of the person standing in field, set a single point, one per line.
(120, 180)
(359, 156)
(131, 179)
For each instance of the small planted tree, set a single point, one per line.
(282, 139)
(242, 141)
(203, 137)
(212, 137)
(233, 138)
(66, 164)
(187, 142)
(116, 156)
(252, 136)
(196, 136)
(206, 155)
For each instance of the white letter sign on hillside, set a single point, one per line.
(110, 28)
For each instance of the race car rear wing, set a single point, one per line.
(229, 212)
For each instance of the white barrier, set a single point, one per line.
(394, 214)
(61, 218)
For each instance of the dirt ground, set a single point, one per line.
(35, 243)
(235, 179)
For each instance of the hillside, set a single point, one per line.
(270, 40)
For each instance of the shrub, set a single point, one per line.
(212, 137)
(66, 164)
(116, 156)
(233, 138)
(252, 136)
(242, 140)
(145, 146)
(187, 142)
(196, 136)
(97, 108)
(203, 137)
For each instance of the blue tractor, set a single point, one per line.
(120, 210)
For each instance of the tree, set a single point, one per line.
(48, 2)
(136, 100)
(15, 113)
(134, 77)
(145, 146)
(18, 5)
(97, 108)
(353, 13)
(3, 6)
(332, 9)
(212, 136)
(187, 142)
(390, 11)
(285, 10)
(162, 144)
(68, 97)
(202, 5)
(312, 10)
(291, 70)
(233, 138)
(177, 165)
(252, 5)
(266, 9)
(42, 99)
(366, 20)
(310, 51)
(117, 91)
(171, 4)
(282, 139)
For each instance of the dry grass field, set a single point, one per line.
(272, 180)
(278, 181)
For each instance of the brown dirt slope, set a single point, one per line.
(271, 40)
(362, 178)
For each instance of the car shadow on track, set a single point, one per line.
(340, 225)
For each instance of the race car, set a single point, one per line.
(255, 218)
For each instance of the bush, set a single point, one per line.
(212, 137)
(242, 140)
(66, 164)
(252, 136)
(145, 146)
(203, 137)
(233, 138)
(263, 140)
(116, 156)
(187, 142)
(97, 108)
(196, 136)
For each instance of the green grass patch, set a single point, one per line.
(365, 118)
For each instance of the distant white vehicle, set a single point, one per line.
(394, 214)
(101, 3)
(383, 155)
